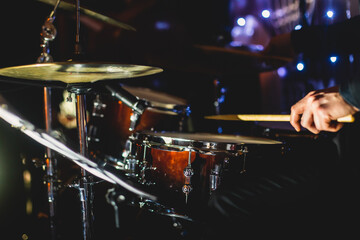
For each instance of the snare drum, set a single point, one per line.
(194, 164)
(110, 122)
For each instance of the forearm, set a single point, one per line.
(350, 91)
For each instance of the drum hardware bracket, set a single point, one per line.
(160, 209)
(97, 106)
(215, 178)
(144, 165)
(47, 178)
(119, 165)
(114, 197)
(128, 99)
(138, 109)
(86, 196)
(80, 182)
(137, 105)
(188, 173)
(52, 179)
(48, 33)
(134, 118)
(131, 164)
(79, 89)
(128, 150)
(244, 151)
(39, 163)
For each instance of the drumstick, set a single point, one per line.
(267, 117)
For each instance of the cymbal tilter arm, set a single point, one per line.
(48, 33)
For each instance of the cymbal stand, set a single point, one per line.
(85, 183)
(48, 33)
(86, 194)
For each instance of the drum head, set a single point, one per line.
(203, 141)
(157, 99)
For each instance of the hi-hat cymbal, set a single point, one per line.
(90, 13)
(73, 73)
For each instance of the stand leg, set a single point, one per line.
(85, 187)
(50, 162)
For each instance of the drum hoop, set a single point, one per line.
(167, 111)
(177, 148)
(165, 106)
(196, 145)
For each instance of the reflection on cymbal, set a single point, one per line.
(70, 72)
(266, 117)
(72, 7)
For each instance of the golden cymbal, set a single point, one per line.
(266, 117)
(72, 72)
(90, 13)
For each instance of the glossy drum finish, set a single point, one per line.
(112, 121)
(193, 164)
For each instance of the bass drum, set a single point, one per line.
(110, 121)
(188, 167)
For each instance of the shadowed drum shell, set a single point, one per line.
(193, 165)
(110, 125)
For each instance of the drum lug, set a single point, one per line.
(215, 177)
(130, 160)
(93, 133)
(131, 164)
(188, 173)
(187, 188)
(145, 168)
(98, 107)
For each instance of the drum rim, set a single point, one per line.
(163, 139)
(178, 102)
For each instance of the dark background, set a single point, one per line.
(188, 73)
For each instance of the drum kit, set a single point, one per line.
(161, 168)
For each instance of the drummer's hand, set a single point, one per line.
(280, 45)
(319, 110)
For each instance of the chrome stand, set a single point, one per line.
(86, 180)
(85, 187)
(51, 164)
(48, 34)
